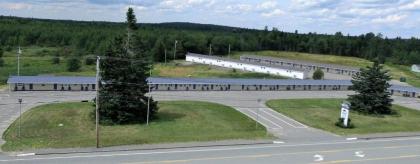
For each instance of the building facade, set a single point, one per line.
(247, 66)
(43, 83)
(295, 64)
(415, 68)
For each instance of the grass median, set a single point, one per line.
(69, 125)
(323, 113)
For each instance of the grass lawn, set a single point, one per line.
(177, 69)
(323, 113)
(179, 121)
(36, 61)
(329, 59)
(396, 71)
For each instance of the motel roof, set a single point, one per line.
(245, 62)
(333, 66)
(198, 81)
(51, 80)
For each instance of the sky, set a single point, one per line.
(391, 18)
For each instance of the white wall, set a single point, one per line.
(248, 67)
(415, 68)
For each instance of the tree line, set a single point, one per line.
(92, 38)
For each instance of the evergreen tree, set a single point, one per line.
(56, 59)
(318, 74)
(371, 87)
(124, 70)
(1, 58)
(158, 52)
(73, 64)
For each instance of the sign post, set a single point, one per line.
(345, 111)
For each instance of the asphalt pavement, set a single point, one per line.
(396, 150)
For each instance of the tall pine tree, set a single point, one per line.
(124, 70)
(372, 96)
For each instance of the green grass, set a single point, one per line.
(323, 113)
(38, 61)
(178, 69)
(396, 71)
(179, 121)
(320, 58)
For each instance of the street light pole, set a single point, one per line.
(148, 99)
(97, 101)
(176, 42)
(258, 114)
(18, 61)
(210, 50)
(20, 115)
(229, 52)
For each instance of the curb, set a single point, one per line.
(109, 149)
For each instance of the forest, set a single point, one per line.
(92, 38)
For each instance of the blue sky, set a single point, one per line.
(390, 17)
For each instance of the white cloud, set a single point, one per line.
(414, 5)
(15, 6)
(389, 19)
(267, 5)
(275, 12)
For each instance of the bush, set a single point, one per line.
(403, 79)
(73, 64)
(340, 123)
(90, 60)
(318, 74)
(56, 60)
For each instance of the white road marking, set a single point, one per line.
(26, 154)
(277, 118)
(278, 142)
(288, 118)
(260, 116)
(318, 158)
(359, 154)
(265, 125)
(206, 150)
(351, 139)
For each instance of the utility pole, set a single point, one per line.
(97, 100)
(258, 114)
(18, 60)
(210, 50)
(229, 51)
(148, 99)
(165, 56)
(20, 115)
(176, 42)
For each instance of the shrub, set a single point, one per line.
(318, 74)
(56, 60)
(90, 60)
(340, 123)
(73, 64)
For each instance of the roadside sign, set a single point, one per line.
(345, 110)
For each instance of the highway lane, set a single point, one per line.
(397, 150)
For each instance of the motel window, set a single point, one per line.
(93, 86)
(55, 86)
(31, 86)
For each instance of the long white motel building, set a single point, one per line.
(296, 64)
(64, 83)
(294, 73)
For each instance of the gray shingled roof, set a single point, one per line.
(51, 80)
(244, 62)
(226, 81)
(303, 62)
(215, 81)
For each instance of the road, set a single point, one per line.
(397, 150)
(245, 102)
